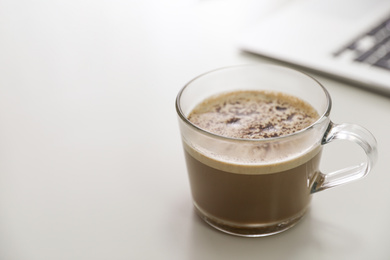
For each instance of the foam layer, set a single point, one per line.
(244, 167)
(253, 114)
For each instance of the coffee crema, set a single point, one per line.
(253, 114)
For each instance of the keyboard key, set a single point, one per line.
(366, 43)
(382, 28)
(384, 62)
(375, 53)
(372, 48)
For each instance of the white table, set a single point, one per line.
(91, 163)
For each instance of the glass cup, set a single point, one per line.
(260, 187)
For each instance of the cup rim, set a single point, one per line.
(314, 124)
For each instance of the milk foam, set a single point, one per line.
(243, 166)
(253, 114)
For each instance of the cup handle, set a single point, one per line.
(358, 135)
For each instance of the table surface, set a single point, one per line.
(91, 163)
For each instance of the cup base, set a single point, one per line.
(253, 230)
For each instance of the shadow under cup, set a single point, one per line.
(259, 187)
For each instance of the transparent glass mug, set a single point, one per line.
(261, 187)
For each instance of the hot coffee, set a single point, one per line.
(253, 114)
(253, 137)
(253, 197)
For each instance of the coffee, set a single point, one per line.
(253, 137)
(267, 188)
(253, 114)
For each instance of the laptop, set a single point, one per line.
(346, 39)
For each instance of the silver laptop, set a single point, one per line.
(348, 39)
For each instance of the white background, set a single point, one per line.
(91, 163)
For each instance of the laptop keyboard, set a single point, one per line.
(371, 48)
